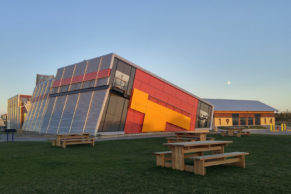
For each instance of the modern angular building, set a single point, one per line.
(17, 110)
(241, 113)
(43, 78)
(109, 94)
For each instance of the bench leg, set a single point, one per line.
(160, 160)
(54, 143)
(242, 162)
(64, 145)
(199, 167)
(93, 143)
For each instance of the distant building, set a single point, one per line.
(43, 78)
(241, 113)
(3, 120)
(4, 117)
(110, 94)
(16, 111)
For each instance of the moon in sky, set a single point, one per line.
(229, 83)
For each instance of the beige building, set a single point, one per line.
(241, 113)
(16, 111)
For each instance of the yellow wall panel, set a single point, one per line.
(156, 115)
(267, 120)
(223, 121)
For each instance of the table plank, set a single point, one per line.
(191, 132)
(197, 143)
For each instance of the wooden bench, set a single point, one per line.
(72, 139)
(181, 139)
(162, 158)
(75, 141)
(236, 133)
(184, 139)
(232, 158)
(247, 133)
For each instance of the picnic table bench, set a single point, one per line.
(195, 151)
(200, 134)
(232, 158)
(185, 139)
(234, 132)
(73, 139)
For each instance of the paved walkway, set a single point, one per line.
(103, 138)
(39, 138)
(268, 132)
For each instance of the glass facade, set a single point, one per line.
(114, 115)
(204, 112)
(76, 102)
(235, 119)
(39, 104)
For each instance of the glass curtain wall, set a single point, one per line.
(204, 112)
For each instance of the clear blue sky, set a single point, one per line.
(198, 45)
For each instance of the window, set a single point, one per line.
(235, 119)
(243, 121)
(257, 119)
(203, 115)
(250, 121)
(121, 80)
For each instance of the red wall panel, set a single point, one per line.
(90, 76)
(86, 77)
(103, 73)
(77, 79)
(66, 81)
(166, 94)
(56, 83)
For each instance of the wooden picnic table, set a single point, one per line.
(234, 132)
(179, 150)
(200, 134)
(62, 137)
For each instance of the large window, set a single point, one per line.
(121, 80)
(203, 115)
(235, 118)
(250, 121)
(257, 119)
(243, 121)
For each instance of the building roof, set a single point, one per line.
(239, 105)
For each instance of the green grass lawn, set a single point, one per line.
(127, 166)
